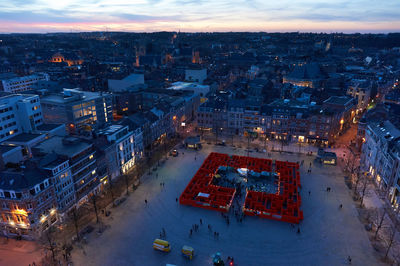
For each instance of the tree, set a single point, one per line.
(74, 215)
(357, 181)
(49, 242)
(111, 189)
(380, 215)
(126, 177)
(94, 201)
(392, 230)
(364, 187)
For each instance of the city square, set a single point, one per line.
(328, 234)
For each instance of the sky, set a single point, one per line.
(200, 15)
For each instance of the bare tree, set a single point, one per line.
(111, 189)
(365, 182)
(48, 241)
(94, 201)
(357, 181)
(391, 240)
(126, 177)
(380, 215)
(74, 215)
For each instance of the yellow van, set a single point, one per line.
(161, 245)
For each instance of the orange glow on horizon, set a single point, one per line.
(204, 26)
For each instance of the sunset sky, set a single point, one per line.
(199, 15)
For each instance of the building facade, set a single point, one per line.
(79, 110)
(20, 84)
(18, 114)
(27, 203)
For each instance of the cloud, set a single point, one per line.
(30, 17)
(198, 14)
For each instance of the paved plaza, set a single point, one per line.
(328, 234)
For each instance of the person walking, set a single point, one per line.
(176, 199)
(145, 201)
(298, 230)
(349, 259)
(201, 221)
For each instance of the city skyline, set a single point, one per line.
(41, 16)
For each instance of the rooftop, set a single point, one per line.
(24, 178)
(25, 137)
(48, 127)
(68, 146)
(7, 148)
(341, 100)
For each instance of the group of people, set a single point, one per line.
(195, 228)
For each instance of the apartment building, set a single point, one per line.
(27, 202)
(18, 114)
(80, 154)
(20, 84)
(79, 110)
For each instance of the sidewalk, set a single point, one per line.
(19, 252)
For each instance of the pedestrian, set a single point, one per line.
(176, 199)
(349, 259)
(160, 184)
(145, 201)
(298, 230)
(191, 231)
(163, 230)
(340, 206)
(160, 235)
(309, 192)
(201, 221)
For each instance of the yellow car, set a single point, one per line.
(161, 245)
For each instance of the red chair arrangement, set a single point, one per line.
(284, 205)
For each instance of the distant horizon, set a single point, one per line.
(209, 32)
(330, 16)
